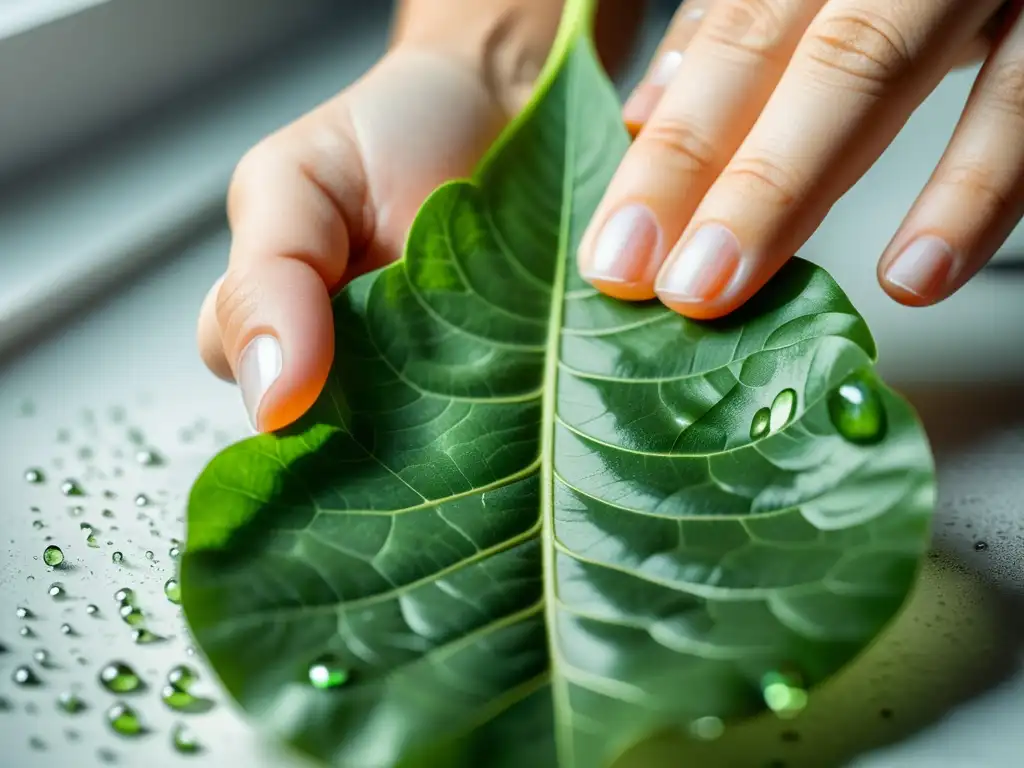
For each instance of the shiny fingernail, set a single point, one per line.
(259, 366)
(703, 268)
(627, 249)
(924, 268)
(645, 98)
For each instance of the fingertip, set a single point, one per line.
(211, 349)
(277, 325)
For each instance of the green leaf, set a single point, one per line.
(526, 524)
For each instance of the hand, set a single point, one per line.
(327, 198)
(774, 110)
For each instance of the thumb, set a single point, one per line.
(295, 207)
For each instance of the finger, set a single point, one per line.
(664, 64)
(730, 68)
(976, 196)
(295, 207)
(858, 73)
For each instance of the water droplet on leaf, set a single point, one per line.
(181, 677)
(857, 411)
(35, 476)
(782, 410)
(71, 702)
(172, 589)
(71, 488)
(53, 556)
(131, 615)
(184, 740)
(124, 595)
(327, 673)
(760, 423)
(143, 636)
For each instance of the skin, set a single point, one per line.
(754, 118)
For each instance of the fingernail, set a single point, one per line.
(702, 270)
(258, 368)
(924, 268)
(627, 247)
(645, 98)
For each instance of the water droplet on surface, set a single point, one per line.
(35, 476)
(92, 609)
(25, 676)
(90, 541)
(56, 591)
(174, 552)
(980, 546)
(107, 513)
(172, 589)
(327, 673)
(782, 410)
(117, 557)
(119, 678)
(124, 595)
(131, 615)
(143, 636)
(71, 488)
(67, 629)
(41, 656)
(181, 677)
(71, 702)
(184, 741)
(53, 556)
(149, 554)
(26, 632)
(124, 720)
(142, 500)
(783, 693)
(707, 728)
(760, 423)
(105, 755)
(36, 743)
(857, 411)
(24, 613)
(148, 458)
(38, 525)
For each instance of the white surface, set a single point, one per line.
(960, 363)
(19, 15)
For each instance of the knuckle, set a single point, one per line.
(857, 49)
(679, 141)
(1003, 88)
(756, 27)
(977, 183)
(237, 301)
(763, 179)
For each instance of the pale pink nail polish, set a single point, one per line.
(627, 249)
(645, 98)
(924, 268)
(704, 267)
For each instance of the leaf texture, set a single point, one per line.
(530, 525)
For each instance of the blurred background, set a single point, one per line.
(120, 124)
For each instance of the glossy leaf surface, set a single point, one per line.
(529, 525)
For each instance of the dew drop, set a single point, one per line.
(26, 632)
(131, 615)
(142, 500)
(125, 595)
(174, 552)
(117, 558)
(184, 741)
(857, 411)
(172, 589)
(25, 676)
(71, 702)
(181, 677)
(784, 693)
(24, 613)
(124, 720)
(143, 636)
(71, 488)
(53, 556)
(35, 476)
(149, 554)
(760, 423)
(119, 678)
(67, 629)
(91, 542)
(38, 525)
(707, 728)
(782, 410)
(57, 591)
(107, 513)
(41, 656)
(92, 609)
(148, 458)
(980, 546)
(326, 673)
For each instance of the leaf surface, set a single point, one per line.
(526, 524)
